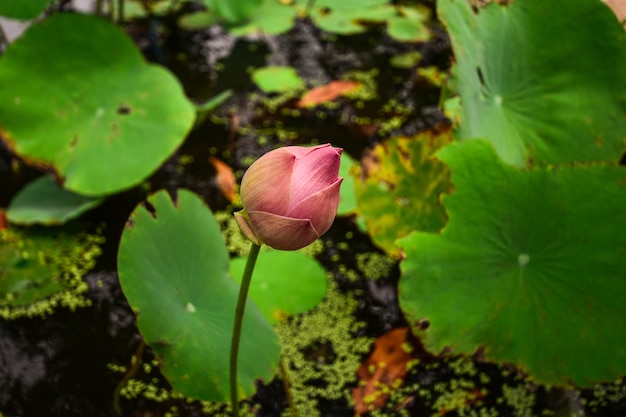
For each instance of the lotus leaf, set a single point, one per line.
(528, 269)
(93, 110)
(541, 86)
(173, 268)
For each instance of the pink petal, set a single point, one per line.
(282, 232)
(320, 208)
(266, 185)
(300, 151)
(314, 172)
(246, 227)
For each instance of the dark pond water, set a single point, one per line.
(61, 365)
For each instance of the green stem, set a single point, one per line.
(241, 306)
(120, 12)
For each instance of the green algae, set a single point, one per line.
(375, 265)
(321, 353)
(42, 269)
(319, 362)
(236, 242)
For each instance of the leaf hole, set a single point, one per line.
(123, 110)
(480, 76)
(423, 324)
(324, 11)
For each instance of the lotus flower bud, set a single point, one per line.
(290, 196)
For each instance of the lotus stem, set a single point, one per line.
(120, 12)
(241, 306)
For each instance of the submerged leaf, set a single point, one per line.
(382, 371)
(225, 179)
(42, 268)
(326, 93)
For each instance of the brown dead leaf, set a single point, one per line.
(384, 369)
(326, 93)
(225, 179)
(3, 220)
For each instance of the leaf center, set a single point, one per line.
(523, 259)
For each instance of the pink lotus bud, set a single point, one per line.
(290, 196)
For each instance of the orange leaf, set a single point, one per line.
(326, 93)
(385, 368)
(3, 220)
(225, 179)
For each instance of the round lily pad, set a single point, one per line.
(529, 267)
(78, 97)
(536, 82)
(404, 29)
(346, 19)
(173, 268)
(43, 201)
(276, 79)
(233, 11)
(275, 288)
(272, 17)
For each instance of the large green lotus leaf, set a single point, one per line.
(538, 83)
(277, 288)
(43, 201)
(399, 188)
(173, 268)
(530, 267)
(78, 97)
(22, 9)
